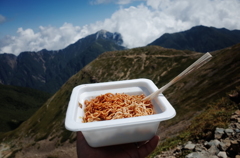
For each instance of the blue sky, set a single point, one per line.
(35, 13)
(32, 25)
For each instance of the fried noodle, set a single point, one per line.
(116, 106)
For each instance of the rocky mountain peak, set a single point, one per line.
(108, 35)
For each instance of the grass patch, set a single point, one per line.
(18, 104)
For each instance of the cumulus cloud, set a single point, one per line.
(49, 37)
(139, 25)
(219, 13)
(2, 19)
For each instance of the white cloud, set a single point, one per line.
(139, 25)
(49, 37)
(218, 13)
(2, 19)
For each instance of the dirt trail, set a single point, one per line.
(163, 56)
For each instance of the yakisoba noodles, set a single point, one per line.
(116, 106)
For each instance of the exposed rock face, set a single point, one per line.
(226, 143)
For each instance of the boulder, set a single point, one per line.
(218, 133)
(222, 154)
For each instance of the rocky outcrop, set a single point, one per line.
(226, 144)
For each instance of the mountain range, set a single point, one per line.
(48, 70)
(200, 39)
(44, 135)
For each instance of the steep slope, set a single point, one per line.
(48, 70)
(44, 132)
(200, 39)
(17, 104)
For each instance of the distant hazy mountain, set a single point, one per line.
(48, 70)
(199, 39)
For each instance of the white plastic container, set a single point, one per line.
(119, 131)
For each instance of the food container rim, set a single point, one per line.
(72, 125)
